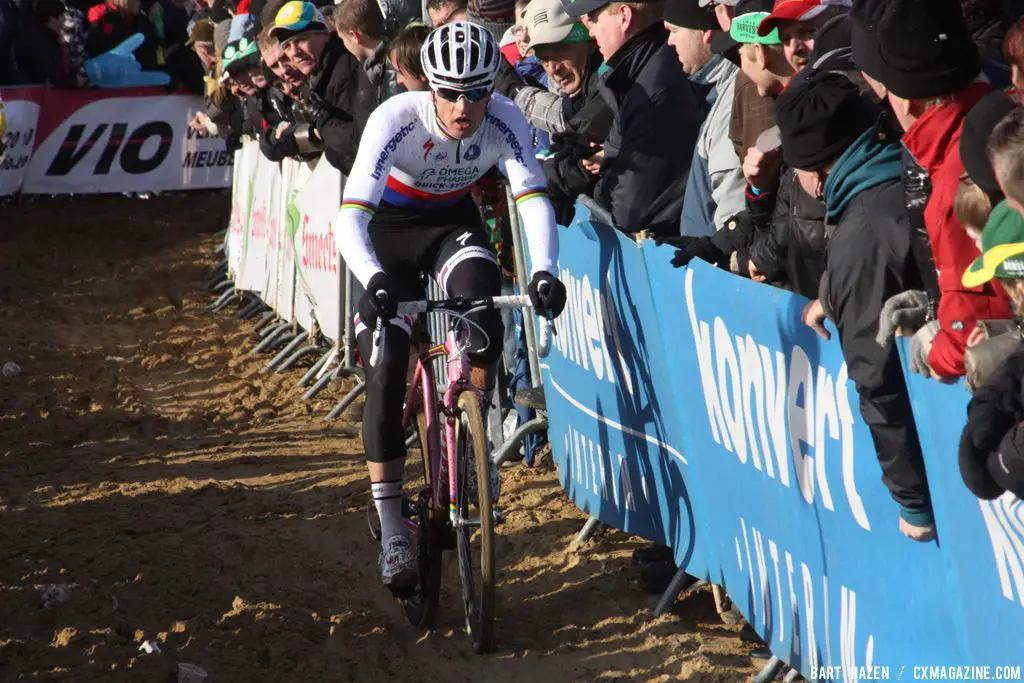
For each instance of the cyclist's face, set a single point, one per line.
(460, 119)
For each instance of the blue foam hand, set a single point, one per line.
(118, 68)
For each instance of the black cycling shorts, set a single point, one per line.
(452, 246)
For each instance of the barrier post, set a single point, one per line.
(519, 257)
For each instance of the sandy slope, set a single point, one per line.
(185, 497)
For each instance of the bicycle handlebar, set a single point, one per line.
(460, 305)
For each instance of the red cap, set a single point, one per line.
(790, 10)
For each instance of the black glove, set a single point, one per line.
(378, 301)
(689, 248)
(551, 300)
(508, 81)
(316, 109)
(572, 144)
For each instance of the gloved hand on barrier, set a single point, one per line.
(118, 68)
(689, 248)
(921, 346)
(907, 309)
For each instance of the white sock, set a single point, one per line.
(387, 496)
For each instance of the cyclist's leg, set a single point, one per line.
(466, 266)
(399, 251)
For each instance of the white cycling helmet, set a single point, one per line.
(460, 56)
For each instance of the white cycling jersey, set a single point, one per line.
(406, 159)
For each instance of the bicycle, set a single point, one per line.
(467, 456)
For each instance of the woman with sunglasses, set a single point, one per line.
(407, 211)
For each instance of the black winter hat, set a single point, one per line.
(819, 118)
(925, 49)
(866, 15)
(688, 14)
(977, 128)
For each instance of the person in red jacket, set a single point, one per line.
(929, 67)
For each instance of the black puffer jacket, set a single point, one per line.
(336, 101)
(992, 443)
(588, 118)
(650, 145)
(790, 250)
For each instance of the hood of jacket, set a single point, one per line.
(376, 64)
(936, 133)
(865, 164)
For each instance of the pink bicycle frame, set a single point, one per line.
(424, 389)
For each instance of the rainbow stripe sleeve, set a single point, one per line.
(530, 193)
(359, 205)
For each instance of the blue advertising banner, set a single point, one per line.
(693, 408)
(983, 541)
(615, 433)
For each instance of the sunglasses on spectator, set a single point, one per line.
(472, 96)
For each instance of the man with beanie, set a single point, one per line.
(927, 66)
(646, 158)
(571, 61)
(714, 190)
(336, 97)
(829, 137)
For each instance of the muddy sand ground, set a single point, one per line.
(178, 495)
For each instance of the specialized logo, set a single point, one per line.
(472, 152)
(427, 146)
(463, 238)
(440, 156)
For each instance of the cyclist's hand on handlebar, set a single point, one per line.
(378, 301)
(547, 293)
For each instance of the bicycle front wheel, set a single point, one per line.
(474, 530)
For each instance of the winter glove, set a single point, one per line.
(689, 248)
(378, 301)
(572, 144)
(316, 109)
(508, 82)
(547, 293)
(921, 346)
(907, 309)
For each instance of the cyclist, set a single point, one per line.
(407, 210)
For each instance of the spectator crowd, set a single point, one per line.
(866, 154)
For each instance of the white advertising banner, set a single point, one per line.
(241, 203)
(285, 304)
(90, 143)
(252, 273)
(302, 300)
(275, 233)
(318, 262)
